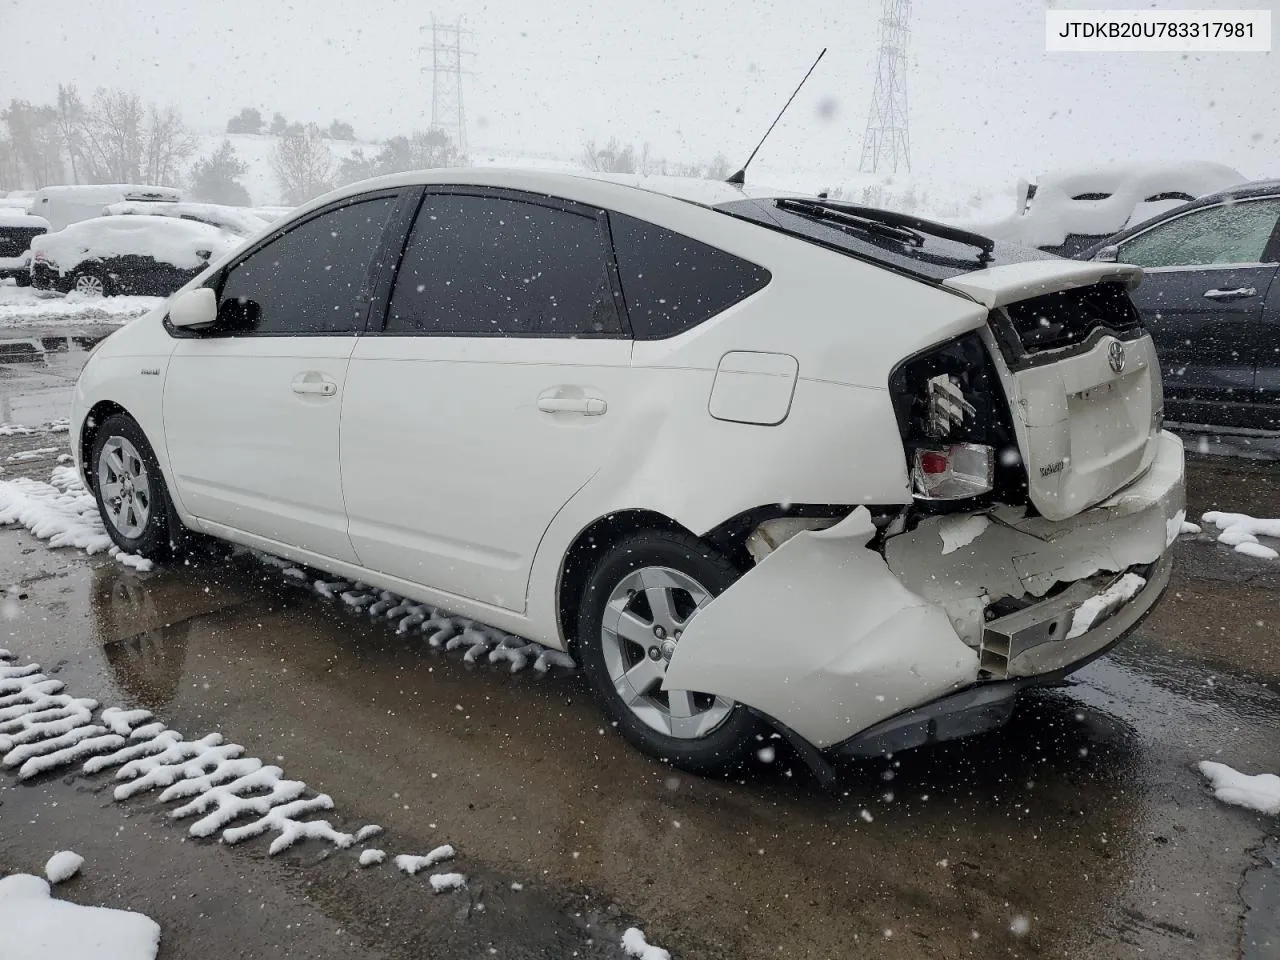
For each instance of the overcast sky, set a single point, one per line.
(693, 78)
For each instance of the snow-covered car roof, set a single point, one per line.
(239, 220)
(165, 239)
(10, 217)
(1101, 201)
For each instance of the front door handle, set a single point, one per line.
(587, 406)
(314, 384)
(1237, 294)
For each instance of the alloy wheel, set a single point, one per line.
(90, 286)
(644, 618)
(125, 487)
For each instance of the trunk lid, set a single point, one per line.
(1080, 372)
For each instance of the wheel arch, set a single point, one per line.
(99, 412)
(591, 543)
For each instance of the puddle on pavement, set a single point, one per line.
(1056, 819)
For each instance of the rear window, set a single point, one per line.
(672, 283)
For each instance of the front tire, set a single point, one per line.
(132, 497)
(637, 602)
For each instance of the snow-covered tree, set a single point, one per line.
(248, 120)
(216, 178)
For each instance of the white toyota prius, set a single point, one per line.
(759, 462)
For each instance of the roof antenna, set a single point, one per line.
(740, 177)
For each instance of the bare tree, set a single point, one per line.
(167, 145)
(304, 165)
(35, 143)
(71, 121)
(611, 158)
(112, 134)
(10, 169)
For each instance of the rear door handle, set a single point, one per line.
(1237, 294)
(587, 406)
(314, 384)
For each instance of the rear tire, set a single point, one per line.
(637, 601)
(132, 497)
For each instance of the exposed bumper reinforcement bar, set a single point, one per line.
(986, 706)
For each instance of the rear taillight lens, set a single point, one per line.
(955, 471)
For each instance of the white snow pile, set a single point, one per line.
(62, 512)
(1259, 792)
(43, 729)
(371, 857)
(412, 864)
(477, 641)
(1104, 200)
(1097, 607)
(444, 882)
(62, 866)
(635, 945)
(39, 453)
(240, 221)
(1241, 531)
(166, 240)
(25, 307)
(34, 926)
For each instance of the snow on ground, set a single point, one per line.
(25, 307)
(635, 945)
(62, 512)
(35, 926)
(43, 729)
(1260, 792)
(370, 858)
(62, 866)
(1241, 531)
(411, 864)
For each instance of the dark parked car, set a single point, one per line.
(17, 230)
(1212, 304)
(106, 256)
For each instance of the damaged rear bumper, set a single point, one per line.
(989, 705)
(856, 651)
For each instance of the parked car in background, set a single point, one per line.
(17, 230)
(272, 214)
(65, 205)
(241, 221)
(1069, 210)
(106, 256)
(757, 461)
(1210, 298)
(17, 201)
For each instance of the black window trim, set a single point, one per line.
(218, 279)
(381, 300)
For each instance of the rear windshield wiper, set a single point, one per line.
(888, 223)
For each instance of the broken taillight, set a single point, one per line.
(953, 472)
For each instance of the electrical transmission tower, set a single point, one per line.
(447, 71)
(886, 143)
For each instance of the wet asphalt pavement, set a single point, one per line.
(1080, 830)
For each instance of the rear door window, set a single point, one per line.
(496, 266)
(672, 283)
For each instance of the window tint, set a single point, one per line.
(672, 282)
(492, 266)
(313, 278)
(1232, 233)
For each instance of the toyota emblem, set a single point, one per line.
(1115, 356)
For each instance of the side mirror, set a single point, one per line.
(1108, 254)
(194, 308)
